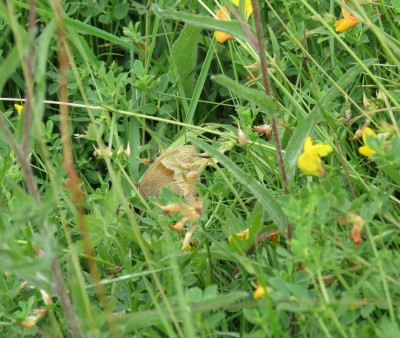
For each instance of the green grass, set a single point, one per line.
(74, 227)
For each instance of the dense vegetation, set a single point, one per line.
(280, 219)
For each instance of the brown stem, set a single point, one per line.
(260, 48)
(275, 135)
(62, 294)
(21, 154)
(22, 159)
(73, 176)
(30, 79)
(268, 90)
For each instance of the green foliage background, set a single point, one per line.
(151, 76)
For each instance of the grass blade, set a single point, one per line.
(253, 95)
(199, 85)
(231, 27)
(264, 195)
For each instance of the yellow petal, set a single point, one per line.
(259, 292)
(339, 25)
(347, 22)
(248, 8)
(345, 13)
(308, 144)
(310, 164)
(223, 14)
(366, 151)
(240, 235)
(19, 108)
(29, 322)
(367, 131)
(221, 37)
(322, 149)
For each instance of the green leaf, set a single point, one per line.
(255, 96)
(15, 252)
(82, 47)
(183, 58)
(391, 171)
(264, 195)
(306, 126)
(199, 86)
(231, 27)
(121, 11)
(8, 67)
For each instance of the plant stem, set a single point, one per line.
(29, 79)
(73, 176)
(268, 91)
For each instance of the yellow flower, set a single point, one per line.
(347, 22)
(19, 109)
(223, 14)
(365, 149)
(309, 162)
(248, 8)
(243, 234)
(259, 291)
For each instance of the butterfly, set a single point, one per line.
(177, 169)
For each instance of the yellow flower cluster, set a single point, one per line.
(310, 163)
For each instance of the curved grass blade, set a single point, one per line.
(255, 96)
(233, 28)
(84, 28)
(264, 195)
(199, 86)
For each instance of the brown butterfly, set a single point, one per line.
(177, 169)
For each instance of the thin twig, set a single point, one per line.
(73, 176)
(29, 78)
(69, 104)
(268, 91)
(22, 159)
